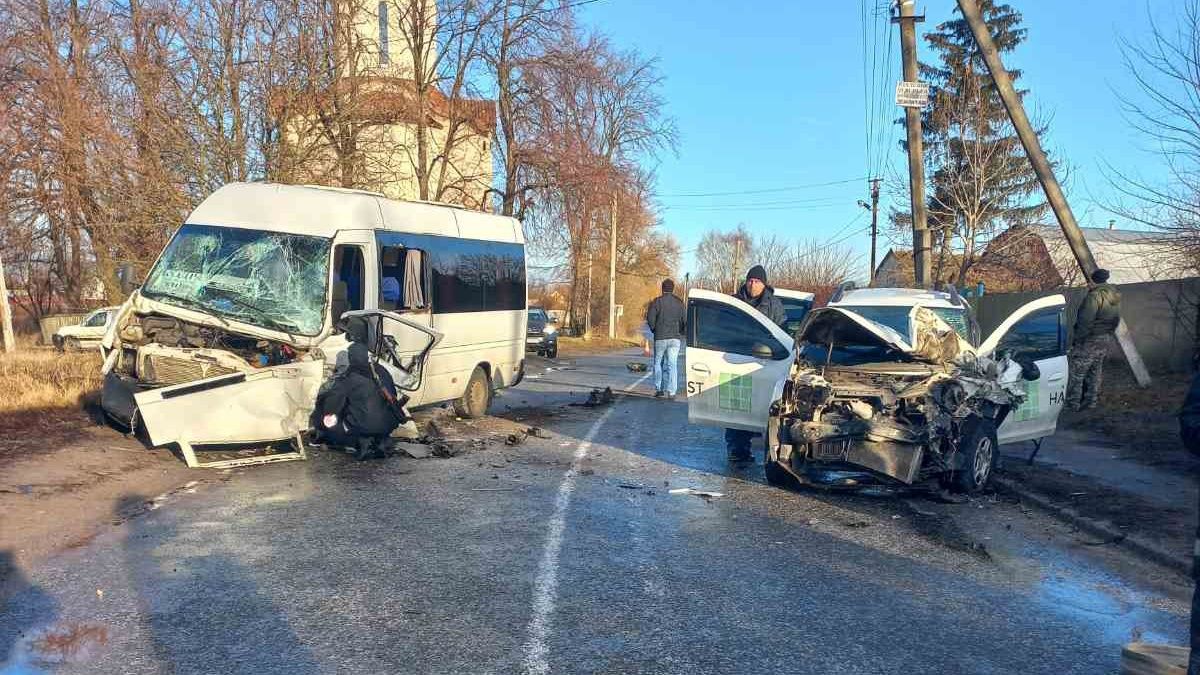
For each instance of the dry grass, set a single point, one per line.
(43, 379)
(573, 346)
(1145, 420)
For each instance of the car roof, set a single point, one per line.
(897, 297)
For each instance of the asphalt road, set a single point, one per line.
(568, 554)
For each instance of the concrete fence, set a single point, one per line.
(50, 324)
(1161, 315)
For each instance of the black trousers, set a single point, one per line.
(738, 441)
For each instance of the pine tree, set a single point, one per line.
(981, 181)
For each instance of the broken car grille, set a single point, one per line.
(165, 370)
(832, 449)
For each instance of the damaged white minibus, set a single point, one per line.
(235, 327)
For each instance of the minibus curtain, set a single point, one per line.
(414, 292)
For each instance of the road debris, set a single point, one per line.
(632, 486)
(635, 367)
(597, 398)
(698, 493)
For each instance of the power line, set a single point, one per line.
(764, 191)
(815, 201)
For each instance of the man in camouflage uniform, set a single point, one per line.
(1097, 320)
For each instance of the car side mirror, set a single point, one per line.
(1029, 370)
(761, 351)
(126, 278)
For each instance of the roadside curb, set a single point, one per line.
(1100, 528)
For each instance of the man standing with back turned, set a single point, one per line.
(1097, 319)
(666, 317)
(759, 295)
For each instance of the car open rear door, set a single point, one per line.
(1036, 332)
(736, 361)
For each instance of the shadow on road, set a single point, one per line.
(24, 607)
(206, 613)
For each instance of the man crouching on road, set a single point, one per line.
(759, 295)
(666, 316)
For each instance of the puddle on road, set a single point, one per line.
(40, 652)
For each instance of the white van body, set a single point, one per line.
(254, 282)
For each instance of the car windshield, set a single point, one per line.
(896, 317)
(851, 355)
(538, 315)
(795, 310)
(271, 279)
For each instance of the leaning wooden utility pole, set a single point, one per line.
(612, 270)
(916, 144)
(1044, 171)
(10, 344)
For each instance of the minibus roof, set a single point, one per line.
(324, 211)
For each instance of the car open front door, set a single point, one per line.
(401, 344)
(736, 362)
(1035, 333)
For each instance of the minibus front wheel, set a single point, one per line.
(478, 396)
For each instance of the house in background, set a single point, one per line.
(377, 98)
(1038, 257)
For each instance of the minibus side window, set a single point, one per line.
(403, 279)
(348, 286)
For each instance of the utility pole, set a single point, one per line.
(916, 146)
(1044, 171)
(737, 261)
(10, 344)
(612, 270)
(874, 225)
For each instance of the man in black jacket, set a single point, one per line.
(360, 409)
(1189, 432)
(757, 293)
(666, 317)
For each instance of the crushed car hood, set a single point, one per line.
(935, 340)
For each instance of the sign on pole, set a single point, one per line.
(912, 94)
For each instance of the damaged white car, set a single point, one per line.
(884, 387)
(236, 327)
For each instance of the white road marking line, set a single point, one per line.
(545, 590)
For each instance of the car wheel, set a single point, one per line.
(979, 449)
(58, 342)
(552, 352)
(476, 399)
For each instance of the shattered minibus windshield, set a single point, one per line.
(271, 279)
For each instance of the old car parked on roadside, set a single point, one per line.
(541, 335)
(86, 334)
(883, 386)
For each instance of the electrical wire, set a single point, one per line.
(790, 188)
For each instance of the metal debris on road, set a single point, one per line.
(699, 493)
(632, 486)
(597, 398)
(635, 367)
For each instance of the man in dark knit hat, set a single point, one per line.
(757, 293)
(1097, 320)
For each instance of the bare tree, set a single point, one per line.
(1167, 68)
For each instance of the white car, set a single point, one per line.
(886, 386)
(87, 333)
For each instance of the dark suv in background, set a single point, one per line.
(542, 334)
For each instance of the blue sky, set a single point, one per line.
(771, 95)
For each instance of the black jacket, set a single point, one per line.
(357, 400)
(770, 306)
(1189, 418)
(666, 317)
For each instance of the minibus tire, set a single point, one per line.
(477, 398)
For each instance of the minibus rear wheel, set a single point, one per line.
(478, 396)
